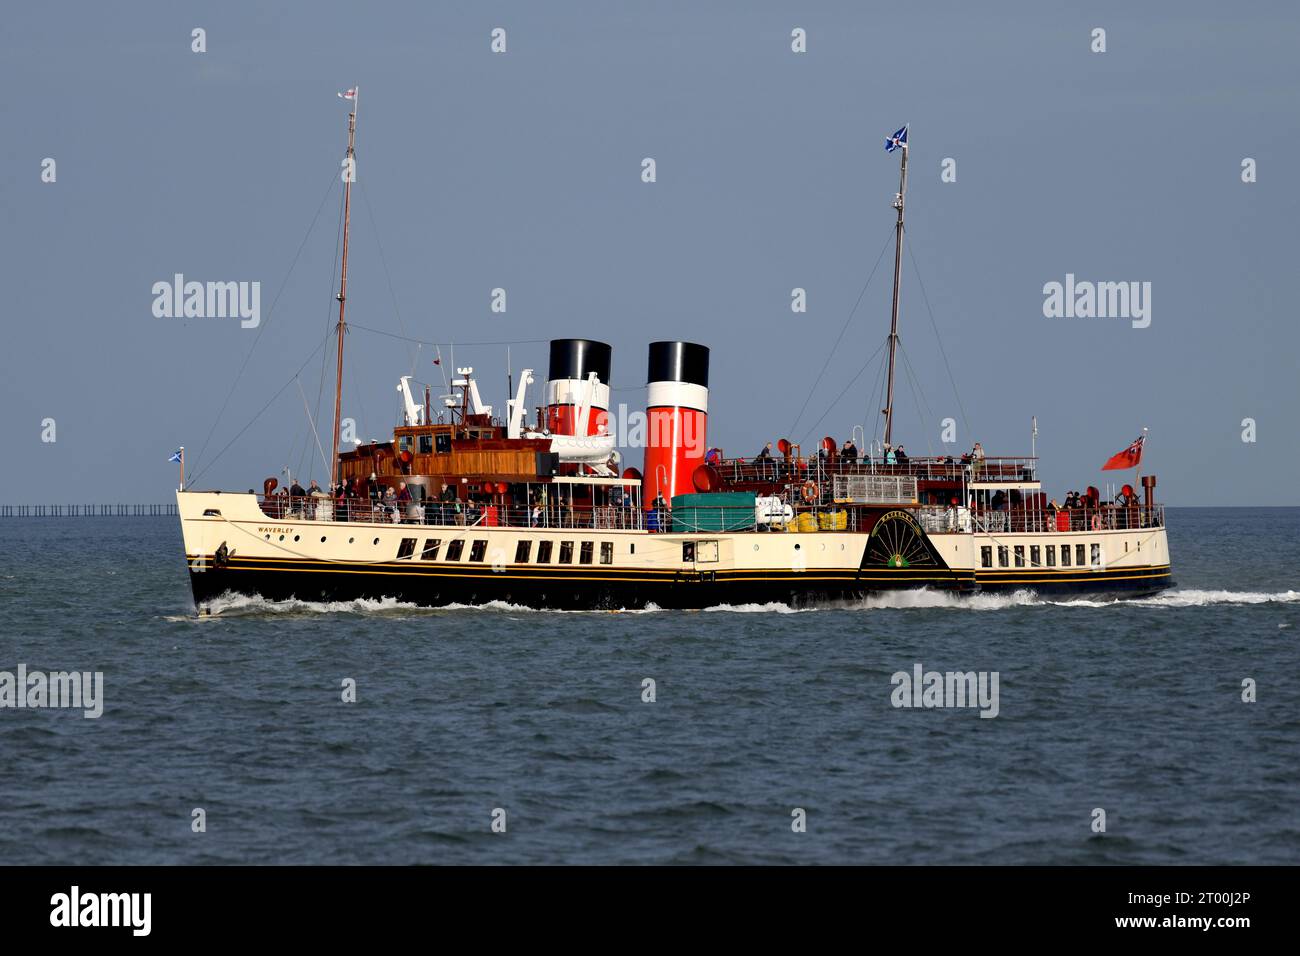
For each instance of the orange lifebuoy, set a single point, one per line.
(1096, 522)
(809, 492)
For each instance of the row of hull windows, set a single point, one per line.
(523, 551)
(1080, 556)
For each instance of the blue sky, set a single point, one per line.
(522, 171)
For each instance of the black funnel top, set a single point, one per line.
(679, 362)
(578, 358)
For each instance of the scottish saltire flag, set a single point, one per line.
(896, 141)
(177, 455)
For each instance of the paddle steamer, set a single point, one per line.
(465, 507)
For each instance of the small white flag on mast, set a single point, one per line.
(349, 94)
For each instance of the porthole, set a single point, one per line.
(755, 547)
(295, 537)
(281, 537)
(268, 537)
(350, 540)
(376, 541)
(796, 547)
(322, 540)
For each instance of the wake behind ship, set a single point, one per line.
(463, 506)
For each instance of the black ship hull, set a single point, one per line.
(592, 590)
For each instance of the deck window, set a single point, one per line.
(426, 445)
(543, 552)
(1096, 555)
(406, 548)
(1035, 556)
(430, 552)
(1051, 555)
(1003, 556)
(1065, 555)
(586, 553)
(1078, 556)
(442, 443)
(1020, 555)
(566, 552)
(688, 551)
(986, 557)
(454, 549)
(522, 550)
(477, 550)
(607, 552)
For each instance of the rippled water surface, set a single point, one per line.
(1133, 707)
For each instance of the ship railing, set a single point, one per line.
(1040, 520)
(822, 469)
(553, 514)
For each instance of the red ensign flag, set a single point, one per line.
(1130, 457)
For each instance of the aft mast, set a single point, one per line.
(897, 141)
(349, 174)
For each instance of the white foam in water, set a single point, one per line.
(233, 605)
(1197, 598)
(772, 607)
(236, 605)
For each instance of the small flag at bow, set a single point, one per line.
(349, 94)
(177, 455)
(1130, 457)
(897, 141)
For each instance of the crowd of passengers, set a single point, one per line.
(375, 501)
(1075, 514)
(849, 454)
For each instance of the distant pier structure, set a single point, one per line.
(89, 511)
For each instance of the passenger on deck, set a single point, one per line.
(890, 457)
(901, 455)
(296, 490)
(849, 452)
(765, 454)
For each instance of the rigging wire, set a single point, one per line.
(918, 395)
(315, 434)
(813, 427)
(878, 389)
(934, 325)
(263, 326)
(831, 354)
(260, 412)
(387, 275)
(394, 335)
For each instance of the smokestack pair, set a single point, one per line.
(677, 406)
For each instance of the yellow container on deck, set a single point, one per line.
(806, 521)
(839, 521)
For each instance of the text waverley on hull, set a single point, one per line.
(464, 507)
